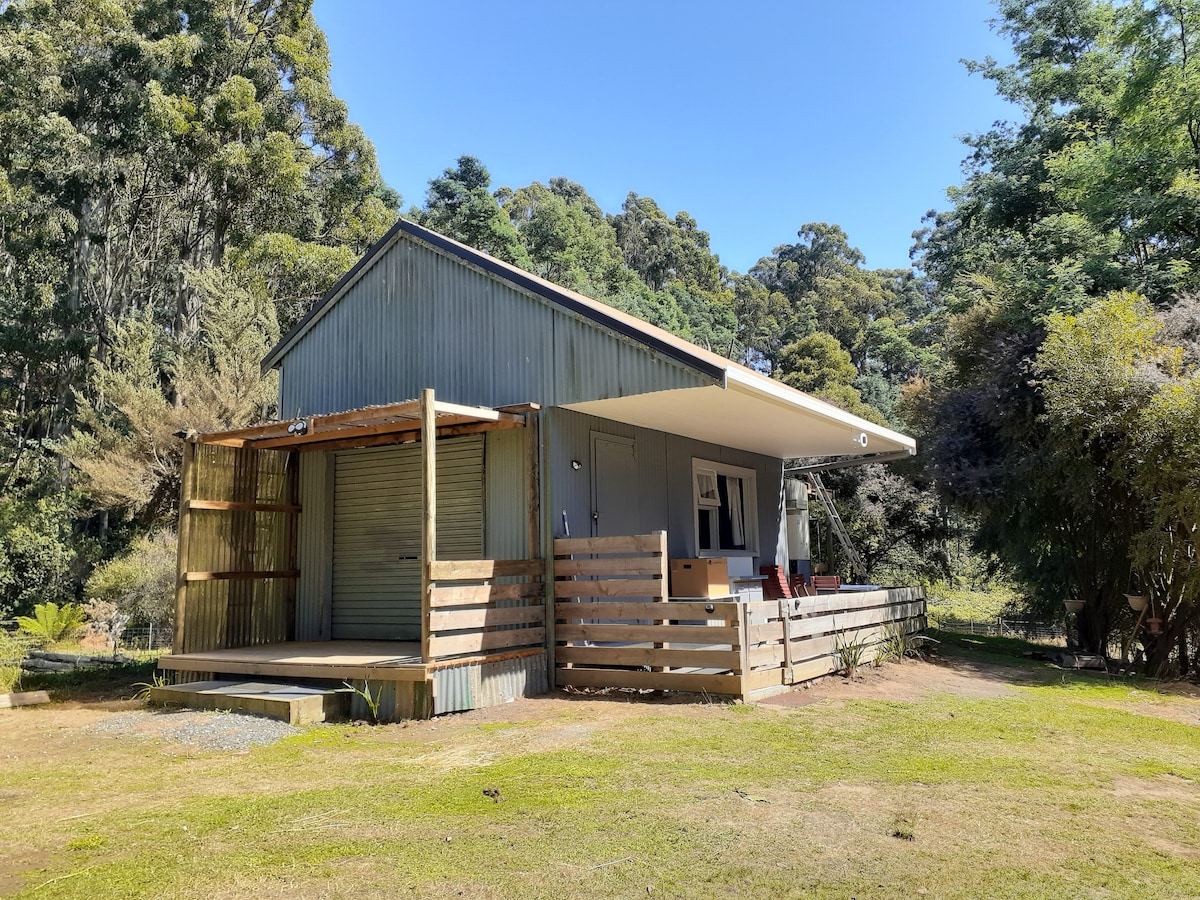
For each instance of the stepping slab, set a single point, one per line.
(291, 703)
(23, 698)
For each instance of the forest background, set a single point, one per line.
(178, 184)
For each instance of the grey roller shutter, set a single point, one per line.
(377, 532)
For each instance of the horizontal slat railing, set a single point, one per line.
(605, 639)
(466, 619)
(799, 639)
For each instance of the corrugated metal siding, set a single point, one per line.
(314, 547)
(377, 532)
(419, 319)
(506, 533)
(480, 685)
(663, 494)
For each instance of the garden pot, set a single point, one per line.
(1073, 606)
(1137, 602)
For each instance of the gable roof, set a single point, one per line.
(740, 392)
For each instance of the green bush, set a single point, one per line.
(951, 605)
(12, 651)
(36, 554)
(52, 623)
(142, 582)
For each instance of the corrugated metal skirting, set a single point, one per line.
(476, 686)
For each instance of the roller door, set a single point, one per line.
(377, 532)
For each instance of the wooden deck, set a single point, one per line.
(380, 660)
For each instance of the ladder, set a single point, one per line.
(857, 566)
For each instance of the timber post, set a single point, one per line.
(428, 513)
(187, 490)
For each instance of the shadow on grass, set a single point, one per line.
(102, 683)
(1015, 661)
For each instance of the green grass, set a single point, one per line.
(1064, 786)
(110, 681)
(961, 605)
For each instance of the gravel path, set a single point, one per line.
(196, 728)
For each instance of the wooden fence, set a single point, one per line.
(616, 627)
(238, 516)
(469, 612)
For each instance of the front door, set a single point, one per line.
(614, 486)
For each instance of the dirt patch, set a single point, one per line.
(911, 680)
(1171, 788)
(16, 866)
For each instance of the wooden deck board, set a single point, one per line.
(388, 660)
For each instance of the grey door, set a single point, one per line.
(614, 486)
(377, 533)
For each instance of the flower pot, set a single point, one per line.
(1137, 602)
(1073, 606)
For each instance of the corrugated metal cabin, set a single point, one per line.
(375, 536)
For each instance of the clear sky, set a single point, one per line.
(754, 117)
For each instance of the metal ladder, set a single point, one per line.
(858, 567)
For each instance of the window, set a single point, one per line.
(726, 511)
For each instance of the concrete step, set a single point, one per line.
(291, 703)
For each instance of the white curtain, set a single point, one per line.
(734, 487)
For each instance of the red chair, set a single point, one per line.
(827, 584)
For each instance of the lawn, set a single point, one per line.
(983, 775)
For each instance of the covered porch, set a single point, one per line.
(478, 631)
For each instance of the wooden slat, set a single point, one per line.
(327, 671)
(24, 698)
(636, 543)
(479, 569)
(239, 576)
(243, 507)
(755, 681)
(662, 681)
(768, 655)
(812, 625)
(673, 611)
(480, 594)
(486, 640)
(461, 619)
(644, 565)
(649, 656)
(638, 634)
(186, 489)
(645, 587)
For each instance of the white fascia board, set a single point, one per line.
(748, 382)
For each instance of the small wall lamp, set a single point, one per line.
(576, 465)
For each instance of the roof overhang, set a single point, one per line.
(753, 413)
(395, 423)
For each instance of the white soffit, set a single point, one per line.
(756, 414)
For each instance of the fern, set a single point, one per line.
(51, 622)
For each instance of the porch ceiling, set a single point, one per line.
(753, 413)
(371, 425)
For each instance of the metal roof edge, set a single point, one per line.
(674, 348)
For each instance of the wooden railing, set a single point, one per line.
(605, 638)
(469, 613)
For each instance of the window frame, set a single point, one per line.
(749, 479)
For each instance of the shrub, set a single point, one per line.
(12, 651)
(897, 643)
(52, 623)
(140, 584)
(36, 554)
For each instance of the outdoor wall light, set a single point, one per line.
(860, 439)
(299, 427)
(576, 465)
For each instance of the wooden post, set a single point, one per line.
(743, 624)
(664, 574)
(428, 512)
(187, 489)
(533, 509)
(292, 475)
(785, 613)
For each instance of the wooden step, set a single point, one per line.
(291, 703)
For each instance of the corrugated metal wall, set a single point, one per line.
(662, 493)
(419, 319)
(314, 547)
(505, 530)
(376, 585)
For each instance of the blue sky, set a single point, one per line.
(755, 117)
